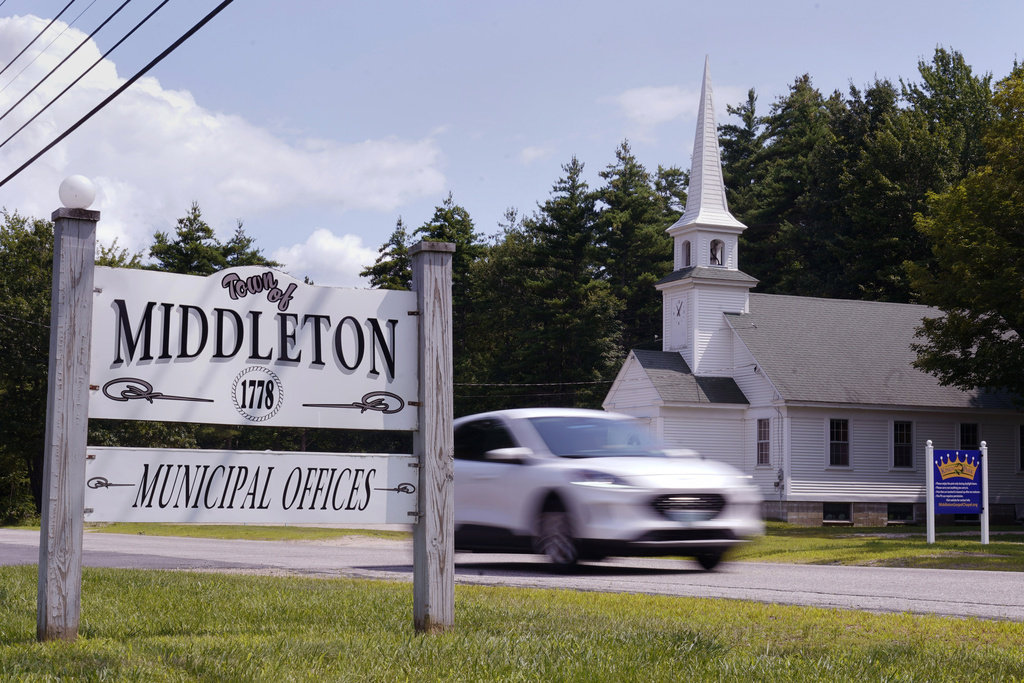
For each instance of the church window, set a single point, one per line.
(717, 252)
(1020, 449)
(902, 444)
(969, 436)
(763, 441)
(839, 443)
(686, 254)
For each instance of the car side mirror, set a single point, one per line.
(509, 456)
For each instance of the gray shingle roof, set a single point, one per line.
(675, 383)
(841, 351)
(708, 273)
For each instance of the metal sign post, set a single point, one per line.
(957, 483)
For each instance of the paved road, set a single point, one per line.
(989, 595)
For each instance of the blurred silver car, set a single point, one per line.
(585, 484)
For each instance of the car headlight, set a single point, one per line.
(597, 478)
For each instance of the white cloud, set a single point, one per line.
(152, 152)
(656, 105)
(327, 259)
(652, 106)
(531, 154)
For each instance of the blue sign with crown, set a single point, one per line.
(957, 482)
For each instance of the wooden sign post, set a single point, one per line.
(67, 425)
(362, 370)
(434, 443)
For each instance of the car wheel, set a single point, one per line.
(555, 538)
(709, 560)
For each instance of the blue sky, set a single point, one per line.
(320, 123)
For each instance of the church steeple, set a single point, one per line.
(705, 235)
(706, 281)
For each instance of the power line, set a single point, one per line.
(55, 39)
(70, 55)
(37, 37)
(21, 320)
(174, 46)
(75, 82)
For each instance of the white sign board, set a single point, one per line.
(252, 345)
(252, 487)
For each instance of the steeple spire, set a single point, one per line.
(705, 203)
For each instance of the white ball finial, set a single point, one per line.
(77, 192)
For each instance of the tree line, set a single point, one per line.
(904, 192)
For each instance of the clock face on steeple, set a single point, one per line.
(678, 323)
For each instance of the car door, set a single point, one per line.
(480, 484)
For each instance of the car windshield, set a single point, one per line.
(590, 437)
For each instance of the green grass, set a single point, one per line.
(169, 626)
(955, 547)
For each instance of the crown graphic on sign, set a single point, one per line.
(955, 467)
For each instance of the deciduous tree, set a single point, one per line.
(977, 277)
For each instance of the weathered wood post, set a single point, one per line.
(67, 425)
(433, 444)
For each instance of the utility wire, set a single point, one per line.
(70, 55)
(174, 46)
(22, 320)
(55, 39)
(37, 37)
(75, 82)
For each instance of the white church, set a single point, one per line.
(815, 398)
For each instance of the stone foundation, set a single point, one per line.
(877, 514)
(870, 514)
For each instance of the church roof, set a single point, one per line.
(840, 351)
(675, 383)
(707, 273)
(705, 196)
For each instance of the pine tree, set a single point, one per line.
(956, 104)
(637, 251)
(392, 269)
(452, 223)
(195, 250)
(572, 311)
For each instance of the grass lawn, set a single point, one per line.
(955, 547)
(177, 626)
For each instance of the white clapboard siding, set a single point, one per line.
(632, 389)
(829, 490)
(942, 434)
(807, 439)
(1004, 481)
(751, 381)
(714, 338)
(713, 437)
